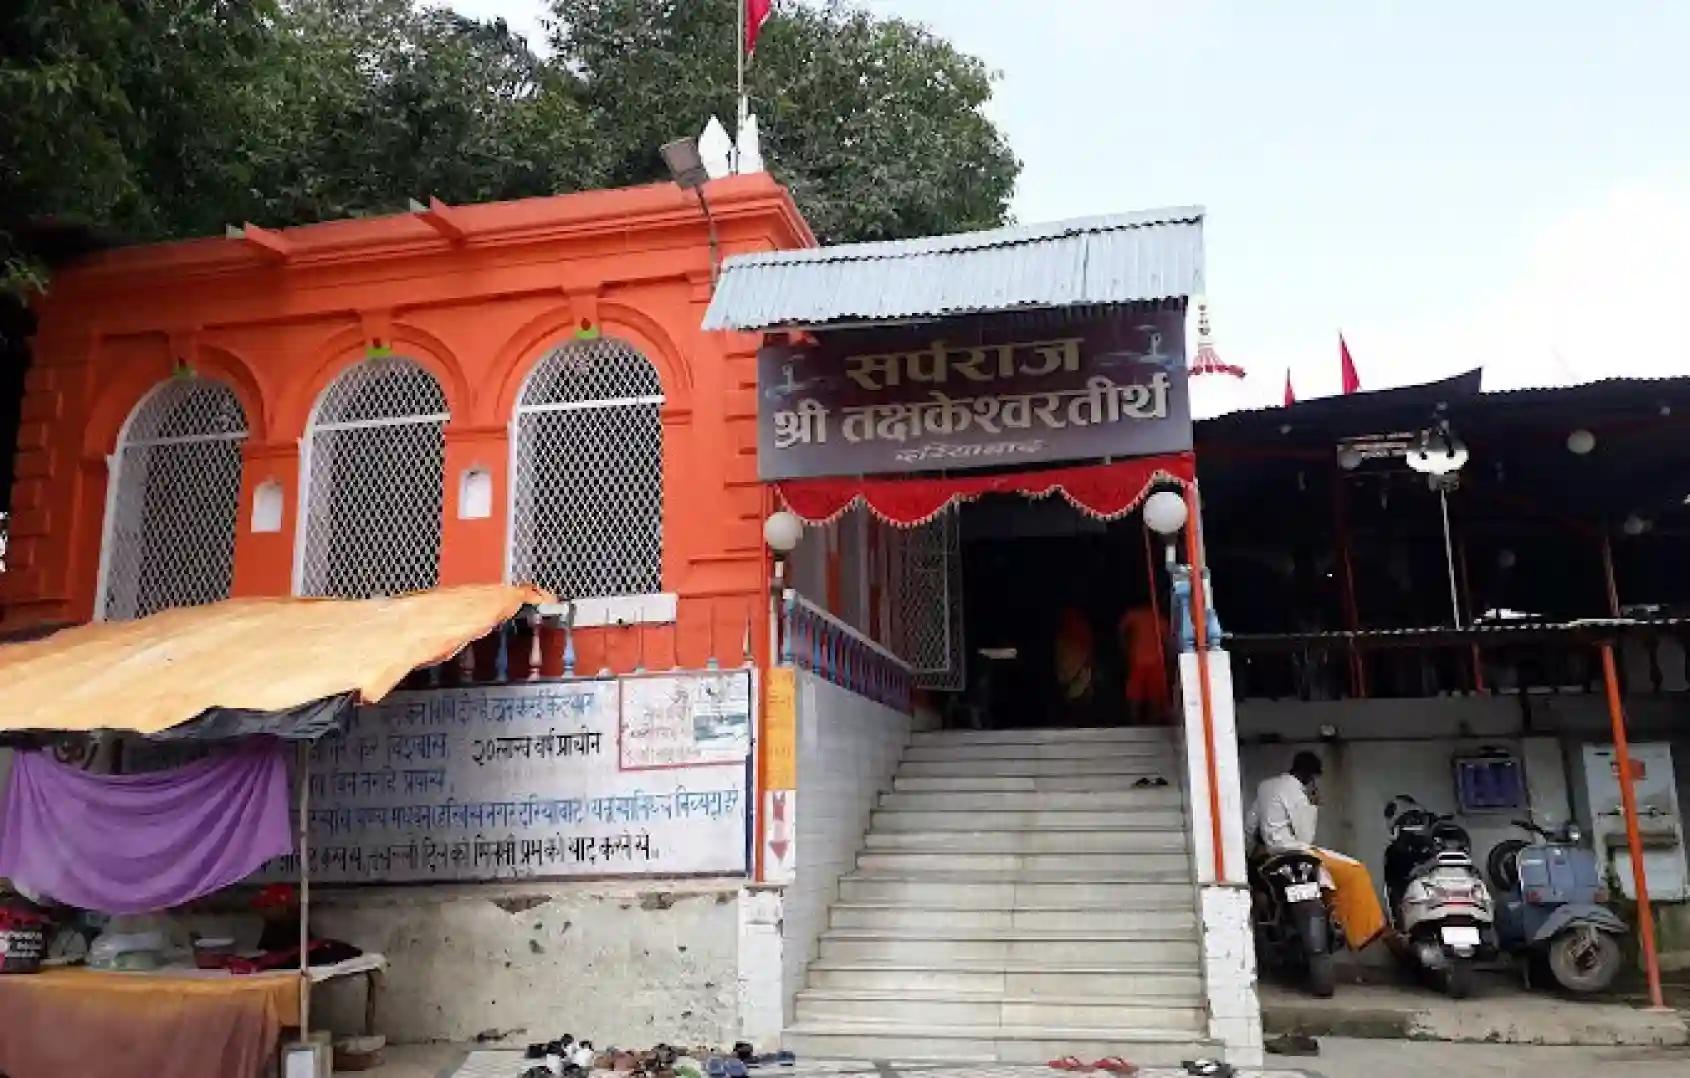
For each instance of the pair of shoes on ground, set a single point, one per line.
(1292, 1044)
(744, 1060)
(563, 1058)
(1112, 1064)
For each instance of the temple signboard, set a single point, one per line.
(974, 393)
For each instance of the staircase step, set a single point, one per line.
(1023, 1045)
(1053, 750)
(818, 1005)
(1129, 803)
(901, 918)
(1047, 840)
(1018, 897)
(1068, 735)
(934, 947)
(907, 783)
(982, 891)
(1170, 819)
(1161, 763)
(1050, 866)
(1132, 981)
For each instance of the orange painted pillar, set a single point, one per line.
(1628, 792)
(264, 558)
(1200, 629)
(475, 512)
(1633, 840)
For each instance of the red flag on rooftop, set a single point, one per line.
(756, 13)
(1352, 381)
(1290, 397)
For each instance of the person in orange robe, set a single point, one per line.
(1143, 641)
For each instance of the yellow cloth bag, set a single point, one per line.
(1354, 900)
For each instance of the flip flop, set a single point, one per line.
(786, 1059)
(1116, 1065)
(1067, 1063)
(715, 1067)
(1208, 1068)
(736, 1069)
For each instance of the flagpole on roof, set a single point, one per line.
(739, 77)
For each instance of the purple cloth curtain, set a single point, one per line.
(136, 843)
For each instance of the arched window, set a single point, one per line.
(587, 468)
(174, 497)
(375, 465)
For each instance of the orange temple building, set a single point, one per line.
(424, 370)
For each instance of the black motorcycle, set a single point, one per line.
(1294, 927)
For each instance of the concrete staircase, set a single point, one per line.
(1017, 899)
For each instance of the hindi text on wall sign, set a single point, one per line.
(539, 780)
(974, 394)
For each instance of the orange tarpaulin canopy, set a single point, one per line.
(250, 654)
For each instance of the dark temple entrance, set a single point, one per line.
(1056, 619)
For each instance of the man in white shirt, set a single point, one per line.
(1283, 818)
(1284, 815)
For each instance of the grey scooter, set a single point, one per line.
(1550, 910)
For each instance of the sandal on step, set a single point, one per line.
(1067, 1063)
(1116, 1065)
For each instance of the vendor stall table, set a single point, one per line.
(177, 1021)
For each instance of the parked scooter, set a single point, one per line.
(1439, 907)
(1549, 907)
(1293, 923)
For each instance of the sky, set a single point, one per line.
(1449, 184)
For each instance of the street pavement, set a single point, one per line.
(1339, 1058)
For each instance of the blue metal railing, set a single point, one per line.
(814, 640)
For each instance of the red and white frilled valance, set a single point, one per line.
(1103, 491)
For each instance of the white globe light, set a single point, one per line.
(1635, 525)
(1349, 458)
(1506, 558)
(1581, 442)
(782, 531)
(1164, 512)
(1435, 460)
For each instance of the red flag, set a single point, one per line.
(1352, 381)
(1290, 397)
(756, 13)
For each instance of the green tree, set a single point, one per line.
(150, 119)
(875, 124)
(373, 102)
(119, 114)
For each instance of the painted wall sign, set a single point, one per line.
(780, 726)
(519, 781)
(685, 720)
(973, 393)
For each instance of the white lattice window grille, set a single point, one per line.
(924, 580)
(375, 456)
(173, 500)
(587, 462)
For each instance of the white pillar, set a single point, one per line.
(760, 993)
(1229, 957)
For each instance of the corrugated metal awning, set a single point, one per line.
(1127, 258)
(1482, 634)
(254, 655)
